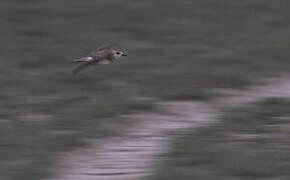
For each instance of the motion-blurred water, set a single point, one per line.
(177, 50)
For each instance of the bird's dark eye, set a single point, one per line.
(118, 53)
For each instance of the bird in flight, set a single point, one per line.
(103, 54)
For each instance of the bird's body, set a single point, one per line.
(101, 55)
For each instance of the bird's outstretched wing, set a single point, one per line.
(82, 66)
(106, 46)
(103, 47)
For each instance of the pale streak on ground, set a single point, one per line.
(130, 156)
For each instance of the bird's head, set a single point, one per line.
(118, 54)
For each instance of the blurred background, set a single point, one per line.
(177, 50)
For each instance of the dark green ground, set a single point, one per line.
(248, 143)
(177, 50)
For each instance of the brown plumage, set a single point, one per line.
(103, 54)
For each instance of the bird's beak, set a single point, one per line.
(124, 54)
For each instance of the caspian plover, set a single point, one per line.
(104, 54)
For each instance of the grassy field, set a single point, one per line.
(249, 143)
(177, 50)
